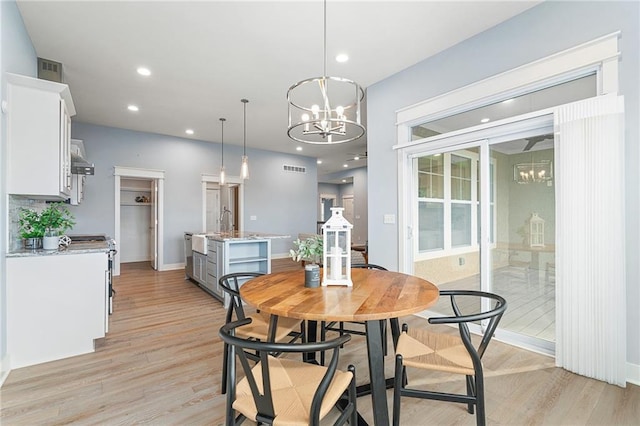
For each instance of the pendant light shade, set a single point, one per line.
(244, 167)
(222, 173)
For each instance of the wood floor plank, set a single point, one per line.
(161, 361)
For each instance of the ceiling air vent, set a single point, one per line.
(49, 70)
(294, 169)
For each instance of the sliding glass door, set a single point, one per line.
(484, 217)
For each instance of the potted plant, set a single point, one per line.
(56, 219)
(31, 228)
(309, 250)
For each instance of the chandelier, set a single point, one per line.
(533, 172)
(325, 110)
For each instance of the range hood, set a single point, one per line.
(80, 166)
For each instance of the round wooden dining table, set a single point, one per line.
(375, 295)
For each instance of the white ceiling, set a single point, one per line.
(206, 55)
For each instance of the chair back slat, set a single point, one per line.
(230, 284)
(262, 397)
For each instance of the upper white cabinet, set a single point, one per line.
(39, 137)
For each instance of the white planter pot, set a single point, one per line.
(50, 243)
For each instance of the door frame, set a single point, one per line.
(208, 178)
(157, 178)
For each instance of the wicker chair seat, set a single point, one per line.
(293, 385)
(259, 327)
(434, 351)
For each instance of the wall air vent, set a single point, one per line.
(294, 169)
(49, 70)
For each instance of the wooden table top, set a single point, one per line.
(375, 295)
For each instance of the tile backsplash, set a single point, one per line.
(15, 204)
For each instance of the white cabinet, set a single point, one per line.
(56, 306)
(38, 137)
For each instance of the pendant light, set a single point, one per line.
(244, 167)
(222, 174)
(325, 110)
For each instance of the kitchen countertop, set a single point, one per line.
(73, 248)
(239, 235)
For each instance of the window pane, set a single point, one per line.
(431, 226)
(570, 91)
(431, 176)
(460, 178)
(460, 225)
(430, 186)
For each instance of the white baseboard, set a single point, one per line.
(172, 266)
(280, 255)
(5, 369)
(633, 373)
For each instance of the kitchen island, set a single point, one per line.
(57, 302)
(218, 254)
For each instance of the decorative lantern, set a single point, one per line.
(336, 254)
(536, 231)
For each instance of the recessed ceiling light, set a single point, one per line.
(344, 180)
(319, 162)
(144, 71)
(356, 158)
(189, 131)
(133, 108)
(508, 101)
(345, 165)
(342, 57)
(485, 120)
(298, 148)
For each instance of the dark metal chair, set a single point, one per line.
(258, 329)
(282, 390)
(340, 328)
(450, 353)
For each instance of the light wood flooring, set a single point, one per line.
(161, 360)
(531, 300)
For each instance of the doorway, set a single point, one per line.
(216, 198)
(138, 216)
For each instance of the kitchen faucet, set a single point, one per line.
(225, 220)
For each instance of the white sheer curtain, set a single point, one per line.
(590, 239)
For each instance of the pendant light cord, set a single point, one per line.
(325, 39)
(244, 135)
(222, 120)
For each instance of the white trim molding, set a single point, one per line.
(599, 55)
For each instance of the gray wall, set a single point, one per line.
(539, 32)
(16, 56)
(283, 202)
(360, 204)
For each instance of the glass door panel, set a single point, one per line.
(447, 250)
(519, 229)
(523, 254)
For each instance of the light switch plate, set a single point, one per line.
(252, 217)
(389, 218)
